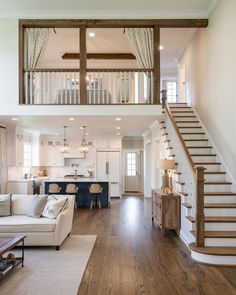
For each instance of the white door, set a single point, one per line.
(182, 82)
(132, 171)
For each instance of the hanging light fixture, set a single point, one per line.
(65, 146)
(84, 145)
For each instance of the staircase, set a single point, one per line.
(219, 196)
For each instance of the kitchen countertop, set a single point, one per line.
(82, 179)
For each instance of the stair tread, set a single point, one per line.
(215, 218)
(220, 205)
(178, 173)
(192, 133)
(207, 163)
(217, 182)
(214, 172)
(203, 155)
(185, 116)
(183, 194)
(180, 107)
(219, 194)
(189, 122)
(183, 112)
(223, 251)
(197, 139)
(218, 234)
(179, 182)
(214, 205)
(199, 147)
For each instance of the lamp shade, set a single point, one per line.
(167, 164)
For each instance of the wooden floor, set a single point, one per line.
(130, 256)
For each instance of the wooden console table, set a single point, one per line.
(166, 211)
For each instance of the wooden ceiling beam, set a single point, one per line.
(113, 23)
(123, 56)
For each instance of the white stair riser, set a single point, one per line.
(220, 212)
(193, 136)
(217, 188)
(220, 199)
(205, 159)
(211, 167)
(220, 242)
(200, 151)
(218, 226)
(178, 104)
(185, 119)
(197, 143)
(178, 109)
(214, 177)
(192, 130)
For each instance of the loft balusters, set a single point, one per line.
(103, 86)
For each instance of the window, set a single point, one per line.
(131, 164)
(171, 91)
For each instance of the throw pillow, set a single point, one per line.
(53, 208)
(37, 205)
(5, 205)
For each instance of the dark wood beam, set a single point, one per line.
(83, 66)
(114, 23)
(21, 65)
(123, 56)
(156, 65)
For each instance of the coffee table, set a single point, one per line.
(7, 244)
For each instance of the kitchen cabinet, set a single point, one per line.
(108, 143)
(20, 187)
(53, 155)
(108, 168)
(19, 146)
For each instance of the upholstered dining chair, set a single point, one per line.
(95, 189)
(54, 188)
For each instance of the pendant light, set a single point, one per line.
(84, 145)
(65, 147)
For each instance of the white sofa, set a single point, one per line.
(39, 231)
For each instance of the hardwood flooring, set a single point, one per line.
(130, 257)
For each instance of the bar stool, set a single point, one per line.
(54, 188)
(72, 189)
(95, 189)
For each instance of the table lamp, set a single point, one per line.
(166, 178)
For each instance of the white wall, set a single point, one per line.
(211, 80)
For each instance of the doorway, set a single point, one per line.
(182, 91)
(133, 171)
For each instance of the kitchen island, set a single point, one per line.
(82, 198)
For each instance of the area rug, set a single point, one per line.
(48, 271)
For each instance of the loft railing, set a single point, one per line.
(193, 176)
(104, 86)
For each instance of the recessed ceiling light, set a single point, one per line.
(161, 47)
(118, 119)
(87, 133)
(118, 128)
(118, 133)
(14, 119)
(92, 34)
(71, 119)
(56, 133)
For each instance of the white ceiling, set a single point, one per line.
(96, 126)
(108, 8)
(109, 41)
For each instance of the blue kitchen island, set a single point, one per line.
(83, 197)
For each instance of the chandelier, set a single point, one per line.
(65, 146)
(84, 144)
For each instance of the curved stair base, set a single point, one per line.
(213, 255)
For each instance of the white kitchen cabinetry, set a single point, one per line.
(21, 187)
(19, 150)
(53, 155)
(108, 168)
(108, 143)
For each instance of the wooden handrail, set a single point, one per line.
(88, 70)
(199, 176)
(180, 136)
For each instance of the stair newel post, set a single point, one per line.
(200, 216)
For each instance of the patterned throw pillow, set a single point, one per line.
(54, 207)
(37, 205)
(5, 205)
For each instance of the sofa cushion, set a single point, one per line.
(20, 204)
(37, 205)
(24, 224)
(54, 207)
(5, 205)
